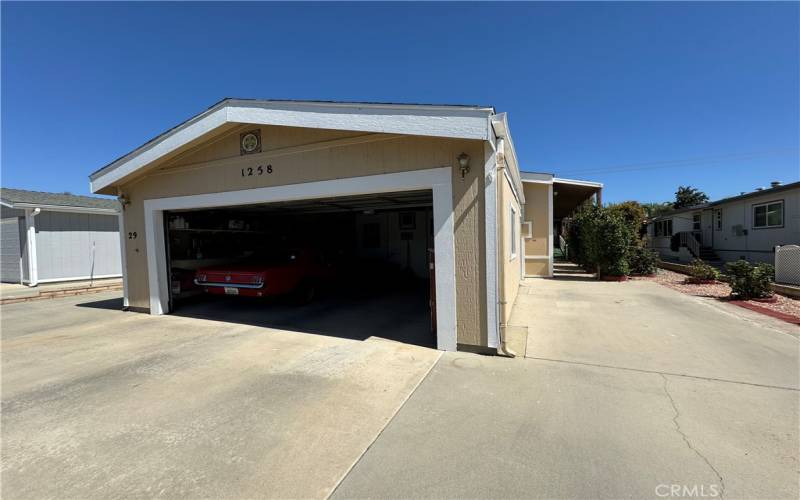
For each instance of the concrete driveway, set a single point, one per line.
(631, 390)
(97, 403)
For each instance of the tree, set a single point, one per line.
(687, 196)
(654, 209)
(632, 212)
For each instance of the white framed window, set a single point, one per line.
(663, 228)
(718, 220)
(696, 222)
(767, 215)
(514, 234)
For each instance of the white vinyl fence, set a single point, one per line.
(787, 264)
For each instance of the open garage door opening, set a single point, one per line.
(355, 267)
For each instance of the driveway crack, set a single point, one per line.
(686, 438)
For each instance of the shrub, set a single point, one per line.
(600, 239)
(702, 271)
(749, 281)
(642, 260)
(633, 213)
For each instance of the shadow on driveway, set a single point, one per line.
(402, 316)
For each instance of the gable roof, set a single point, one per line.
(455, 121)
(20, 198)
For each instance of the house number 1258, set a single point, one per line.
(259, 170)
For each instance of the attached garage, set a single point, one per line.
(419, 204)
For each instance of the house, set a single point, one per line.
(48, 237)
(429, 192)
(748, 226)
(550, 201)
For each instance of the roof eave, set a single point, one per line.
(501, 129)
(421, 120)
(60, 208)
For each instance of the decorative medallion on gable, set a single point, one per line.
(250, 142)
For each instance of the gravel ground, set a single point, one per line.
(720, 290)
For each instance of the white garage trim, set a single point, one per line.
(124, 255)
(490, 216)
(439, 180)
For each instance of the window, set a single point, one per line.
(696, 222)
(513, 233)
(718, 219)
(768, 215)
(663, 228)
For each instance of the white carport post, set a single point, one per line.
(30, 226)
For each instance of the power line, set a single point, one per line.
(684, 163)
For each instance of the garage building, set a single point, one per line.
(416, 210)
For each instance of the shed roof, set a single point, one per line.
(23, 198)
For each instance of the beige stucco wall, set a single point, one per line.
(511, 263)
(300, 155)
(536, 267)
(537, 200)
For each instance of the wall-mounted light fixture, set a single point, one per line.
(123, 200)
(463, 161)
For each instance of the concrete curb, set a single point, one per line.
(54, 294)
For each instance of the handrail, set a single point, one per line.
(688, 240)
(562, 244)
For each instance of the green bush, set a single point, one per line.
(633, 213)
(702, 271)
(642, 260)
(749, 281)
(599, 239)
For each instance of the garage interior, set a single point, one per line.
(377, 250)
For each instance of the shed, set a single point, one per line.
(50, 237)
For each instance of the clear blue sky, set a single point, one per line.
(587, 87)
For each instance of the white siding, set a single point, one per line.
(10, 250)
(75, 245)
(754, 244)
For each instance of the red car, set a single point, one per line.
(278, 273)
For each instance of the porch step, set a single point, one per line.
(568, 270)
(708, 254)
